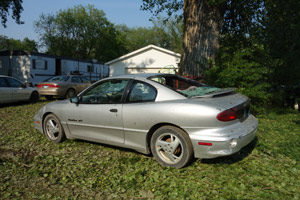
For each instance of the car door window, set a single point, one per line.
(108, 92)
(14, 83)
(141, 92)
(84, 79)
(3, 82)
(75, 79)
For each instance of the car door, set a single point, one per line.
(5, 91)
(76, 83)
(19, 90)
(98, 115)
(137, 109)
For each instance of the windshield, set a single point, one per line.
(184, 86)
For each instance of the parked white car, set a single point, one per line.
(13, 90)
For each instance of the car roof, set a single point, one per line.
(142, 75)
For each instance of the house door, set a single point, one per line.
(57, 67)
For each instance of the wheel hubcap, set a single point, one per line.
(169, 148)
(52, 129)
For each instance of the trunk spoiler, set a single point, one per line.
(223, 92)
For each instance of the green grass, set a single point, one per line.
(31, 167)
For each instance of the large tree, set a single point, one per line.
(204, 21)
(79, 32)
(15, 6)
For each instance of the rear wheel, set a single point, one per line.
(171, 147)
(34, 97)
(53, 129)
(70, 93)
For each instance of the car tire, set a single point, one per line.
(70, 93)
(49, 97)
(34, 97)
(171, 147)
(53, 129)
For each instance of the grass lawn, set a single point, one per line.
(31, 167)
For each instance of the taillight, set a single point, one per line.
(54, 86)
(47, 86)
(228, 115)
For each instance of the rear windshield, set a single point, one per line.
(184, 86)
(58, 79)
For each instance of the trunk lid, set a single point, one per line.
(225, 99)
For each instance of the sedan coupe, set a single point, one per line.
(12, 90)
(172, 117)
(65, 86)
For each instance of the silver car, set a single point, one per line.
(65, 86)
(12, 90)
(172, 117)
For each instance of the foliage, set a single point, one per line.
(158, 6)
(163, 34)
(33, 167)
(15, 6)
(12, 44)
(244, 66)
(282, 36)
(79, 32)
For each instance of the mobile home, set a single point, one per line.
(36, 67)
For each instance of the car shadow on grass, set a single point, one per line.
(234, 158)
(23, 103)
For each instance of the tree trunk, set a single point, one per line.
(202, 25)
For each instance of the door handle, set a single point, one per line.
(113, 110)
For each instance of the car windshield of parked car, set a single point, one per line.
(187, 87)
(58, 79)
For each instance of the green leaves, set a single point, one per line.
(79, 32)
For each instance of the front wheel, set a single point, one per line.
(35, 97)
(53, 129)
(171, 147)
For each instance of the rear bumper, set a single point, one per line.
(59, 92)
(217, 142)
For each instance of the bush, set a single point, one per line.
(244, 68)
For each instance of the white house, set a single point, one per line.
(150, 59)
(36, 67)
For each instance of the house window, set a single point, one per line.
(39, 64)
(90, 68)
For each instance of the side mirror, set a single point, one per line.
(75, 100)
(28, 84)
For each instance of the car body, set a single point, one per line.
(13, 90)
(173, 117)
(65, 86)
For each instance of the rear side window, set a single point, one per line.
(3, 82)
(141, 92)
(59, 79)
(14, 83)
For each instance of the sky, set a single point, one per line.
(117, 11)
